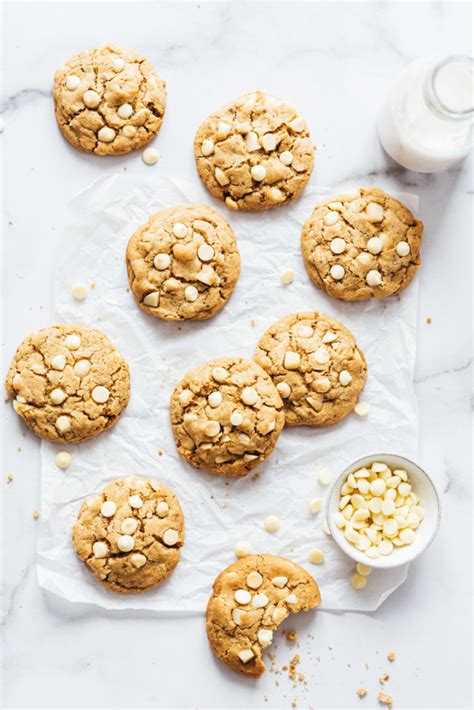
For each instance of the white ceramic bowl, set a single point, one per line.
(422, 486)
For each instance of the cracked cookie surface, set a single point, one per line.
(184, 263)
(255, 153)
(226, 416)
(362, 245)
(249, 600)
(316, 366)
(69, 383)
(108, 100)
(130, 534)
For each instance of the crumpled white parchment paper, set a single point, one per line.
(218, 512)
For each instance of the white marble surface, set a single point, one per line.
(333, 61)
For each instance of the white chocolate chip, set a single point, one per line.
(191, 293)
(402, 248)
(364, 258)
(259, 601)
(223, 130)
(315, 505)
(291, 599)
(79, 291)
(331, 218)
(185, 397)
(243, 548)
(269, 142)
(329, 337)
(258, 172)
(251, 142)
(246, 655)
(106, 134)
(125, 111)
(129, 131)
(63, 459)
(345, 378)
(279, 582)
(161, 261)
(63, 424)
(242, 596)
(221, 177)
(292, 360)
(205, 252)
(304, 331)
(337, 272)
(324, 476)
(362, 409)
(58, 362)
(338, 245)
(100, 549)
(374, 278)
(237, 616)
(138, 560)
(254, 580)
(207, 275)
(180, 230)
(150, 156)
(125, 543)
(100, 394)
(236, 418)
(275, 194)
(72, 82)
(212, 428)
(57, 396)
(72, 342)
(272, 524)
(322, 384)
(135, 501)
(108, 508)
(170, 537)
(284, 389)
(321, 355)
(358, 581)
(374, 212)
(407, 536)
(286, 157)
(375, 245)
(265, 637)
(362, 569)
(287, 276)
(91, 98)
(162, 509)
(298, 124)
(129, 525)
(152, 299)
(249, 396)
(118, 64)
(220, 374)
(214, 399)
(207, 147)
(316, 556)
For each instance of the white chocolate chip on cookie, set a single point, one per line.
(236, 418)
(220, 374)
(58, 396)
(331, 218)
(284, 389)
(214, 399)
(100, 394)
(269, 142)
(58, 362)
(162, 509)
(298, 124)
(337, 272)
(138, 560)
(345, 378)
(375, 245)
(72, 342)
(100, 549)
(292, 360)
(207, 147)
(402, 248)
(180, 230)
(72, 82)
(286, 157)
(338, 245)
(254, 580)
(242, 596)
(125, 111)
(191, 293)
(258, 172)
(82, 367)
(129, 526)
(249, 396)
(374, 278)
(108, 508)
(91, 99)
(106, 134)
(205, 252)
(63, 424)
(152, 299)
(125, 543)
(251, 142)
(170, 537)
(161, 261)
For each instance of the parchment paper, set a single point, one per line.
(218, 512)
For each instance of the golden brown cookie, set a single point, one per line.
(362, 245)
(184, 263)
(226, 416)
(109, 100)
(130, 535)
(255, 153)
(249, 600)
(69, 383)
(316, 366)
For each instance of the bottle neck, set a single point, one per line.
(448, 89)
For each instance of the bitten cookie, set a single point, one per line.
(362, 245)
(184, 263)
(226, 416)
(109, 100)
(130, 535)
(316, 366)
(249, 600)
(68, 382)
(255, 153)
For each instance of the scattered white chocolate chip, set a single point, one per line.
(63, 459)
(125, 543)
(284, 389)
(223, 130)
(58, 396)
(108, 508)
(212, 428)
(221, 177)
(249, 396)
(236, 418)
(125, 111)
(338, 245)
(72, 342)
(79, 291)
(179, 230)
(100, 394)
(254, 580)
(286, 157)
(214, 399)
(220, 374)
(135, 501)
(106, 134)
(100, 549)
(118, 64)
(291, 360)
(162, 509)
(205, 252)
(191, 293)
(362, 569)
(152, 299)
(184, 397)
(279, 582)
(287, 276)
(246, 655)
(374, 245)
(138, 560)
(337, 272)
(331, 218)
(345, 378)
(243, 548)
(242, 596)
(129, 526)
(72, 82)
(358, 581)
(362, 409)
(374, 278)
(272, 524)
(265, 637)
(269, 142)
(324, 476)
(207, 147)
(63, 424)
(170, 537)
(251, 142)
(316, 556)
(91, 98)
(150, 156)
(58, 362)
(374, 212)
(259, 601)
(161, 261)
(402, 248)
(258, 172)
(298, 124)
(315, 505)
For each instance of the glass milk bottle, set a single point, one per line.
(426, 122)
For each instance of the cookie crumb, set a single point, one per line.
(10, 478)
(253, 323)
(385, 699)
(292, 636)
(383, 679)
(429, 321)
(391, 656)
(36, 514)
(362, 692)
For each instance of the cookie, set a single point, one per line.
(362, 245)
(69, 383)
(184, 263)
(130, 535)
(109, 100)
(249, 600)
(255, 153)
(226, 416)
(316, 366)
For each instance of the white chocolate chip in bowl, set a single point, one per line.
(384, 544)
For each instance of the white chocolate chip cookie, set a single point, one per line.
(184, 263)
(249, 600)
(130, 547)
(255, 153)
(226, 416)
(316, 366)
(108, 100)
(68, 383)
(361, 246)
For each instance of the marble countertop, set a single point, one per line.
(334, 61)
